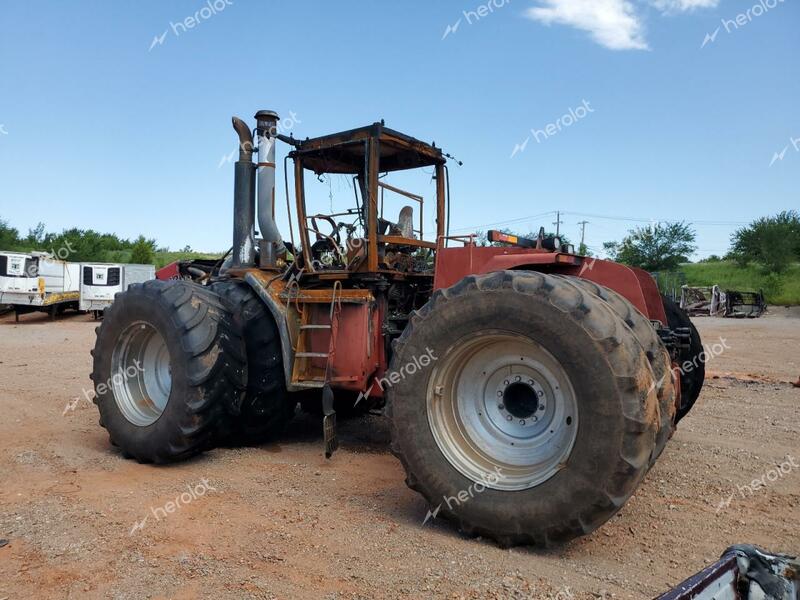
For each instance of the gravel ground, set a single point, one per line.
(79, 521)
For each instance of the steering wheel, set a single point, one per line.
(326, 243)
(321, 236)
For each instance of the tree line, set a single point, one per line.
(78, 245)
(772, 243)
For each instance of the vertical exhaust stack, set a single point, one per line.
(244, 200)
(272, 244)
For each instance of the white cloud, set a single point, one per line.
(611, 23)
(673, 6)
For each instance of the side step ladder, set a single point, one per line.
(302, 378)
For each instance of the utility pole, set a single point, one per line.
(583, 230)
(558, 223)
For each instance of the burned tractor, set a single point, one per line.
(542, 378)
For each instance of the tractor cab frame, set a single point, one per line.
(365, 153)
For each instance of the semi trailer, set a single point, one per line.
(100, 282)
(36, 281)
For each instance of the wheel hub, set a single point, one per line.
(141, 379)
(503, 404)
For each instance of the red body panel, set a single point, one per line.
(453, 264)
(358, 352)
(169, 272)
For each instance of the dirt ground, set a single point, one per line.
(79, 521)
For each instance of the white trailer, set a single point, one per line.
(101, 281)
(36, 281)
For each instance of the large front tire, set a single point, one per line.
(544, 352)
(267, 407)
(656, 353)
(169, 364)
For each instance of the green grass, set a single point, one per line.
(783, 289)
(162, 259)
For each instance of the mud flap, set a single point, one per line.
(329, 422)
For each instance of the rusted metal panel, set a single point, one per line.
(404, 241)
(357, 354)
(441, 213)
(371, 202)
(343, 152)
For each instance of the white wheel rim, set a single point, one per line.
(502, 411)
(141, 377)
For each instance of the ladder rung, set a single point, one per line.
(311, 354)
(315, 326)
(309, 384)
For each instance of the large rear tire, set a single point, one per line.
(692, 378)
(169, 364)
(655, 350)
(571, 376)
(267, 407)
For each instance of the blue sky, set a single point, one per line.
(103, 127)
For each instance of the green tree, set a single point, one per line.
(659, 247)
(36, 235)
(773, 242)
(9, 237)
(143, 251)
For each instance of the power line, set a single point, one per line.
(559, 214)
(476, 227)
(642, 220)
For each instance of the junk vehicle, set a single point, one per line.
(37, 281)
(703, 301)
(101, 281)
(541, 377)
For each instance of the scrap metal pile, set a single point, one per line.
(712, 301)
